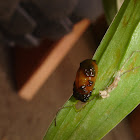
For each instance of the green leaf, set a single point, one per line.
(99, 116)
(110, 8)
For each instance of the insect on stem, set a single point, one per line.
(84, 82)
(87, 72)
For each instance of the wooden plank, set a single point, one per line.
(34, 66)
(134, 119)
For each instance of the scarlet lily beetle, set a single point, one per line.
(86, 77)
(85, 80)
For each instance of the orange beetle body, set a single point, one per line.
(85, 80)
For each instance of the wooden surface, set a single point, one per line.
(134, 119)
(34, 66)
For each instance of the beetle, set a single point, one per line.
(85, 80)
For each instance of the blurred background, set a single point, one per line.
(41, 46)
